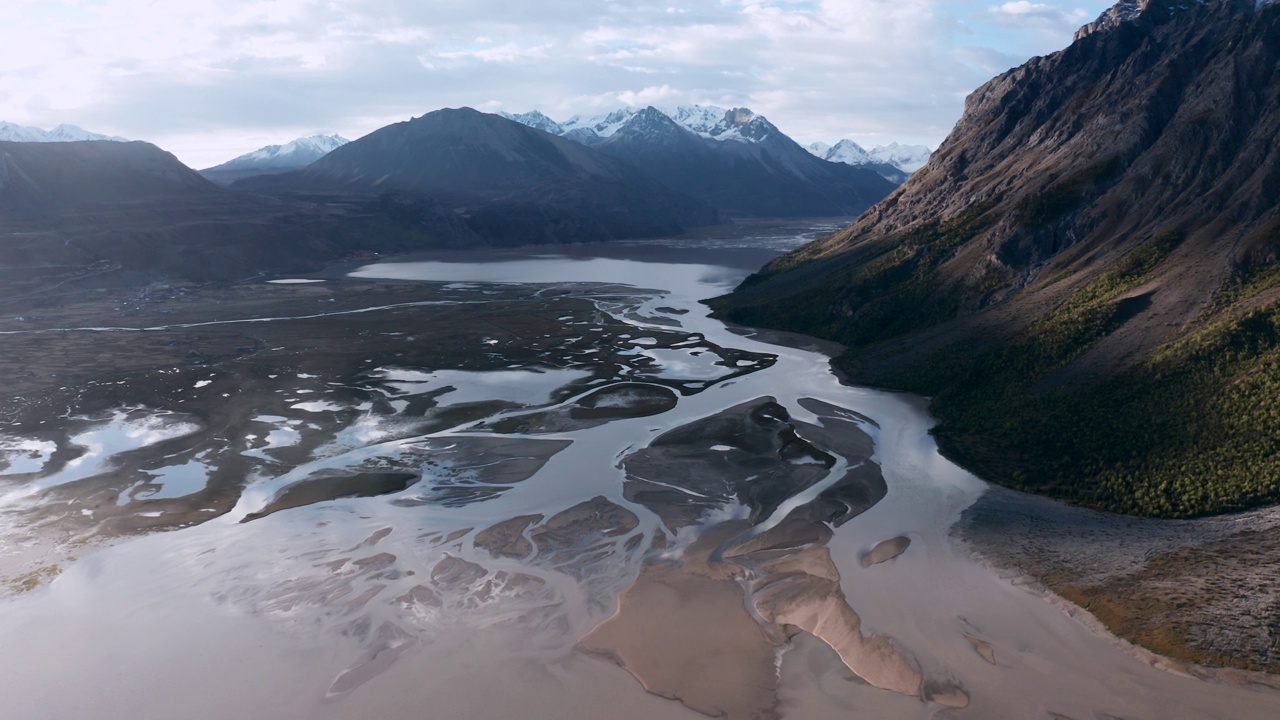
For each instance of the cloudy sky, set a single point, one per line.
(210, 79)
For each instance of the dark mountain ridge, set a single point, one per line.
(127, 213)
(1085, 273)
(515, 184)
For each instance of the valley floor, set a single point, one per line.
(378, 493)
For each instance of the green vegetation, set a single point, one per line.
(1193, 431)
(1250, 281)
(882, 294)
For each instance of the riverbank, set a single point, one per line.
(1195, 594)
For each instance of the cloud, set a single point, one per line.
(1022, 13)
(174, 73)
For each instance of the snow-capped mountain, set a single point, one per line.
(849, 153)
(894, 162)
(599, 125)
(274, 159)
(908, 157)
(700, 119)
(739, 163)
(298, 153)
(735, 159)
(11, 132)
(706, 121)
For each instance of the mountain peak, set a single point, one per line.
(848, 152)
(1129, 11)
(649, 124)
(535, 120)
(276, 158)
(744, 126)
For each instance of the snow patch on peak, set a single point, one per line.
(602, 125)
(12, 132)
(651, 123)
(818, 149)
(535, 120)
(742, 125)
(699, 119)
(295, 154)
(704, 120)
(707, 121)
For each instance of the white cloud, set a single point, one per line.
(1024, 13)
(649, 96)
(175, 72)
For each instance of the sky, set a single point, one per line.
(209, 80)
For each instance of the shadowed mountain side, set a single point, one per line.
(511, 181)
(221, 237)
(1101, 225)
(40, 179)
(84, 214)
(771, 177)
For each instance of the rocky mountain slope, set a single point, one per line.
(275, 159)
(514, 184)
(1085, 274)
(735, 160)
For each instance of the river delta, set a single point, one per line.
(525, 483)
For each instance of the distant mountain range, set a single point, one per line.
(906, 159)
(10, 132)
(454, 178)
(735, 160)
(274, 159)
(514, 184)
(894, 162)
